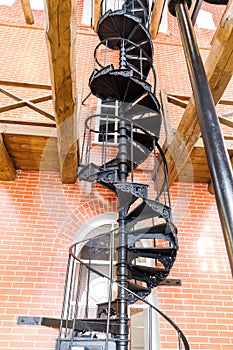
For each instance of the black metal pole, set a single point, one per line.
(122, 265)
(216, 153)
(196, 10)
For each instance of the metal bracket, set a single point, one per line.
(28, 320)
(170, 282)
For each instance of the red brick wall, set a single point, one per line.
(203, 306)
(38, 218)
(33, 263)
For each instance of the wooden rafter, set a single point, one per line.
(156, 17)
(169, 130)
(167, 98)
(197, 156)
(18, 128)
(28, 15)
(60, 37)
(29, 103)
(96, 13)
(219, 68)
(174, 97)
(225, 121)
(7, 169)
(178, 102)
(25, 84)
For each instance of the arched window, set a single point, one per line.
(97, 253)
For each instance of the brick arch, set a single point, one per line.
(85, 212)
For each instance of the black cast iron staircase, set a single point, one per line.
(128, 78)
(138, 255)
(89, 316)
(85, 319)
(130, 261)
(93, 324)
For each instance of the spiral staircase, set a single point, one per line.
(137, 256)
(142, 250)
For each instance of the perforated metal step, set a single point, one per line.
(85, 344)
(117, 84)
(152, 276)
(147, 209)
(166, 231)
(124, 25)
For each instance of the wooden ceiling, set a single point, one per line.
(53, 145)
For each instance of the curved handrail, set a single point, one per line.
(118, 6)
(106, 43)
(110, 116)
(178, 330)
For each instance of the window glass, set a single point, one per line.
(7, 2)
(106, 125)
(205, 20)
(37, 4)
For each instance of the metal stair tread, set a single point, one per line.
(152, 251)
(164, 228)
(142, 5)
(139, 155)
(146, 140)
(136, 288)
(120, 27)
(150, 124)
(129, 192)
(116, 82)
(142, 105)
(94, 173)
(93, 166)
(92, 324)
(130, 187)
(102, 71)
(166, 231)
(104, 305)
(147, 209)
(152, 276)
(147, 270)
(84, 342)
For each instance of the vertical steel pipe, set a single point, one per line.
(216, 153)
(196, 10)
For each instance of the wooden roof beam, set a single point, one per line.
(219, 70)
(97, 13)
(28, 15)
(25, 84)
(7, 169)
(23, 103)
(61, 38)
(156, 17)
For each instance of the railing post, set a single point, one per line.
(216, 153)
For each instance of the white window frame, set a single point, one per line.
(98, 120)
(87, 15)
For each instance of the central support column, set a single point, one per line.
(122, 265)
